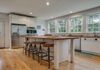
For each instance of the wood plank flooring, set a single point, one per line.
(15, 59)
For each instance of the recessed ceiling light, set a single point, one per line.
(70, 12)
(47, 3)
(31, 13)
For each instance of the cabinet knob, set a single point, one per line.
(84, 38)
(96, 39)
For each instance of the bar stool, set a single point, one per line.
(49, 57)
(37, 49)
(27, 43)
(28, 47)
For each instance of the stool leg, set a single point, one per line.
(38, 55)
(39, 52)
(33, 55)
(29, 50)
(49, 57)
(34, 51)
(26, 48)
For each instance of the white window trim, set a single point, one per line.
(81, 24)
(57, 25)
(87, 18)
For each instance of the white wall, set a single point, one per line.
(5, 19)
(42, 30)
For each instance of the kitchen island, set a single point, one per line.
(63, 48)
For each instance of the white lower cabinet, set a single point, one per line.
(90, 45)
(77, 44)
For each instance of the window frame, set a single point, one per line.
(87, 22)
(70, 24)
(66, 25)
(48, 24)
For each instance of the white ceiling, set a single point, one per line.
(39, 8)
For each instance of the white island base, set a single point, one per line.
(63, 51)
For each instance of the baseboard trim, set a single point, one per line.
(91, 53)
(17, 47)
(2, 47)
(77, 50)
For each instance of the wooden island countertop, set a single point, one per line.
(51, 37)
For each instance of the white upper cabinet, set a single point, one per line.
(22, 20)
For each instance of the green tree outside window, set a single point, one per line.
(76, 24)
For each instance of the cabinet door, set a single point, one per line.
(2, 35)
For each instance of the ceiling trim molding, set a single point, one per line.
(19, 14)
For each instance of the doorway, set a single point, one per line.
(2, 34)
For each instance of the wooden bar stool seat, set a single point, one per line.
(48, 45)
(38, 42)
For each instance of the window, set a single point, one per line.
(76, 24)
(62, 27)
(94, 23)
(51, 26)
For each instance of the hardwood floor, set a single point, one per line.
(16, 60)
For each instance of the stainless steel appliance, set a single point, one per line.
(17, 31)
(31, 31)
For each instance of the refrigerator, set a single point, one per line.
(18, 30)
